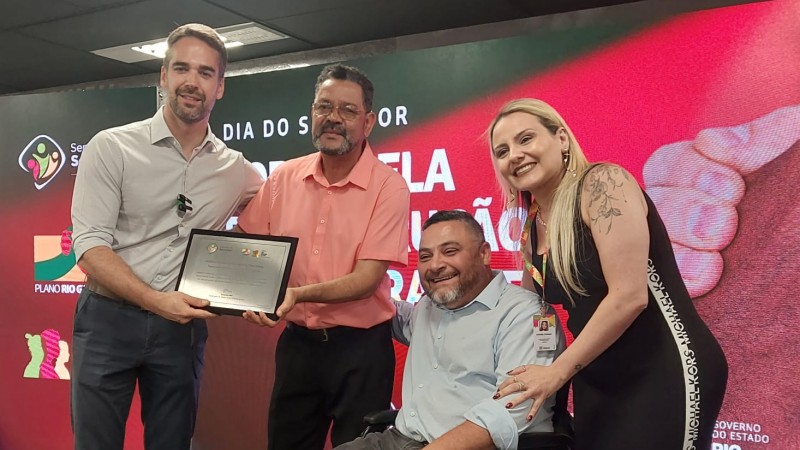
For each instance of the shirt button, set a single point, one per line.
(435, 366)
(413, 414)
(170, 249)
(420, 385)
(438, 337)
(329, 192)
(316, 252)
(322, 221)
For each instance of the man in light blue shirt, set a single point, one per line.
(470, 328)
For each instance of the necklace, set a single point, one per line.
(540, 220)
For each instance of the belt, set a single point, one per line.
(98, 289)
(327, 334)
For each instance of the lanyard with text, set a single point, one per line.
(538, 277)
(544, 324)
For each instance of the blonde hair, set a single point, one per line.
(561, 238)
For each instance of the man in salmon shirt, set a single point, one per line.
(335, 359)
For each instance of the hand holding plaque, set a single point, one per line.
(264, 320)
(237, 272)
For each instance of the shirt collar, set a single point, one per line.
(359, 175)
(160, 131)
(489, 296)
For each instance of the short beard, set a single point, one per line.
(189, 117)
(343, 149)
(448, 297)
(346, 147)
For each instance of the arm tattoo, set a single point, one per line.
(602, 185)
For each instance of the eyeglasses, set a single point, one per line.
(346, 112)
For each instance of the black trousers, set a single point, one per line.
(116, 344)
(338, 376)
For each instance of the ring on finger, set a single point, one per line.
(521, 385)
(515, 379)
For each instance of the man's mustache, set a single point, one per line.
(193, 91)
(332, 128)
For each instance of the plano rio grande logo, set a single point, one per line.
(55, 269)
(49, 356)
(43, 158)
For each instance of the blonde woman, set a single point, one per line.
(646, 371)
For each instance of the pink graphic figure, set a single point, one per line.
(66, 241)
(66, 244)
(50, 338)
(61, 361)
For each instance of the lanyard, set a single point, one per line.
(538, 277)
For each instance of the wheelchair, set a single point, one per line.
(561, 438)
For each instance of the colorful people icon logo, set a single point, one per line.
(49, 356)
(41, 164)
(43, 158)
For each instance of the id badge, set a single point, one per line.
(544, 331)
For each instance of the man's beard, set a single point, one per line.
(189, 115)
(467, 280)
(447, 297)
(346, 146)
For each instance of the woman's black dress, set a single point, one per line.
(660, 385)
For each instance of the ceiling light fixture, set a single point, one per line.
(233, 36)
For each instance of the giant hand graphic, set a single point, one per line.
(696, 186)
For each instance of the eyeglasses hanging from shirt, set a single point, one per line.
(184, 203)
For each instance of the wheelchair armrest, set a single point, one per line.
(545, 441)
(385, 417)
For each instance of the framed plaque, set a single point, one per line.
(237, 272)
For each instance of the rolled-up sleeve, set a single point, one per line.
(96, 197)
(498, 422)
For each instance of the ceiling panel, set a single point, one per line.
(7, 89)
(267, 10)
(22, 51)
(16, 13)
(247, 52)
(46, 43)
(534, 8)
(100, 4)
(135, 22)
(66, 67)
(383, 19)
(281, 47)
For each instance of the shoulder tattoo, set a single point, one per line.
(603, 184)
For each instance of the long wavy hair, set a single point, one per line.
(561, 237)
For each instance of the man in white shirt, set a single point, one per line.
(139, 191)
(470, 328)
